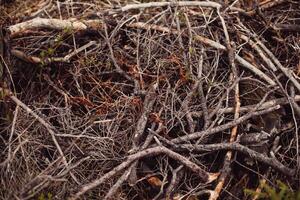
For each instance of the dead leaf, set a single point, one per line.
(154, 181)
(154, 117)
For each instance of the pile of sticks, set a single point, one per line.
(155, 100)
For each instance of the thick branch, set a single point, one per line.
(56, 24)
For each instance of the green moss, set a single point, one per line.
(44, 197)
(281, 192)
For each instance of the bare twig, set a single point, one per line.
(228, 156)
(130, 174)
(37, 60)
(163, 4)
(199, 38)
(260, 52)
(9, 153)
(287, 72)
(205, 176)
(255, 70)
(175, 179)
(242, 149)
(265, 105)
(140, 127)
(266, 5)
(208, 42)
(217, 129)
(44, 123)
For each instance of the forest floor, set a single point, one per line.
(127, 99)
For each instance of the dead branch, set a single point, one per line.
(160, 73)
(164, 4)
(205, 176)
(199, 38)
(265, 105)
(287, 72)
(255, 70)
(228, 156)
(206, 133)
(37, 60)
(260, 52)
(242, 149)
(54, 24)
(208, 42)
(43, 122)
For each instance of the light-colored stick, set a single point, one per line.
(254, 69)
(260, 52)
(208, 42)
(268, 104)
(171, 4)
(205, 176)
(55, 24)
(163, 29)
(287, 72)
(34, 59)
(225, 172)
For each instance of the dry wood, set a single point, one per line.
(205, 176)
(208, 42)
(225, 172)
(254, 69)
(163, 29)
(48, 127)
(265, 105)
(54, 24)
(274, 163)
(208, 132)
(67, 24)
(260, 52)
(164, 4)
(37, 60)
(117, 80)
(287, 72)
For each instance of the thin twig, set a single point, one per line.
(45, 124)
